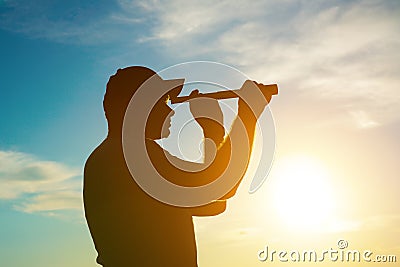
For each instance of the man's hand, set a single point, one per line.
(208, 115)
(251, 101)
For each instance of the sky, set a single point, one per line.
(337, 119)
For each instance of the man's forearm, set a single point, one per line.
(215, 132)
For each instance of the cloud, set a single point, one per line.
(363, 120)
(390, 222)
(342, 52)
(52, 201)
(387, 222)
(34, 185)
(71, 22)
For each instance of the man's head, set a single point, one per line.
(120, 89)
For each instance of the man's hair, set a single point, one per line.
(120, 89)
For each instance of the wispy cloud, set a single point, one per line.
(71, 22)
(34, 185)
(383, 221)
(363, 120)
(344, 52)
(341, 51)
(388, 222)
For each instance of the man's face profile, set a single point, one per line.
(159, 120)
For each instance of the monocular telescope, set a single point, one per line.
(267, 90)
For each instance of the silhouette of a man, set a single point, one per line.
(129, 227)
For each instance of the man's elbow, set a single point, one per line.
(211, 209)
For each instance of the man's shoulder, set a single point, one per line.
(101, 158)
(97, 155)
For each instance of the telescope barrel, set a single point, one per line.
(267, 90)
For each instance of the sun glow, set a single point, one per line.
(302, 194)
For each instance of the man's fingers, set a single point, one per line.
(195, 92)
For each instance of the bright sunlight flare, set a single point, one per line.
(303, 195)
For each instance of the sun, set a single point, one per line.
(303, 195)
